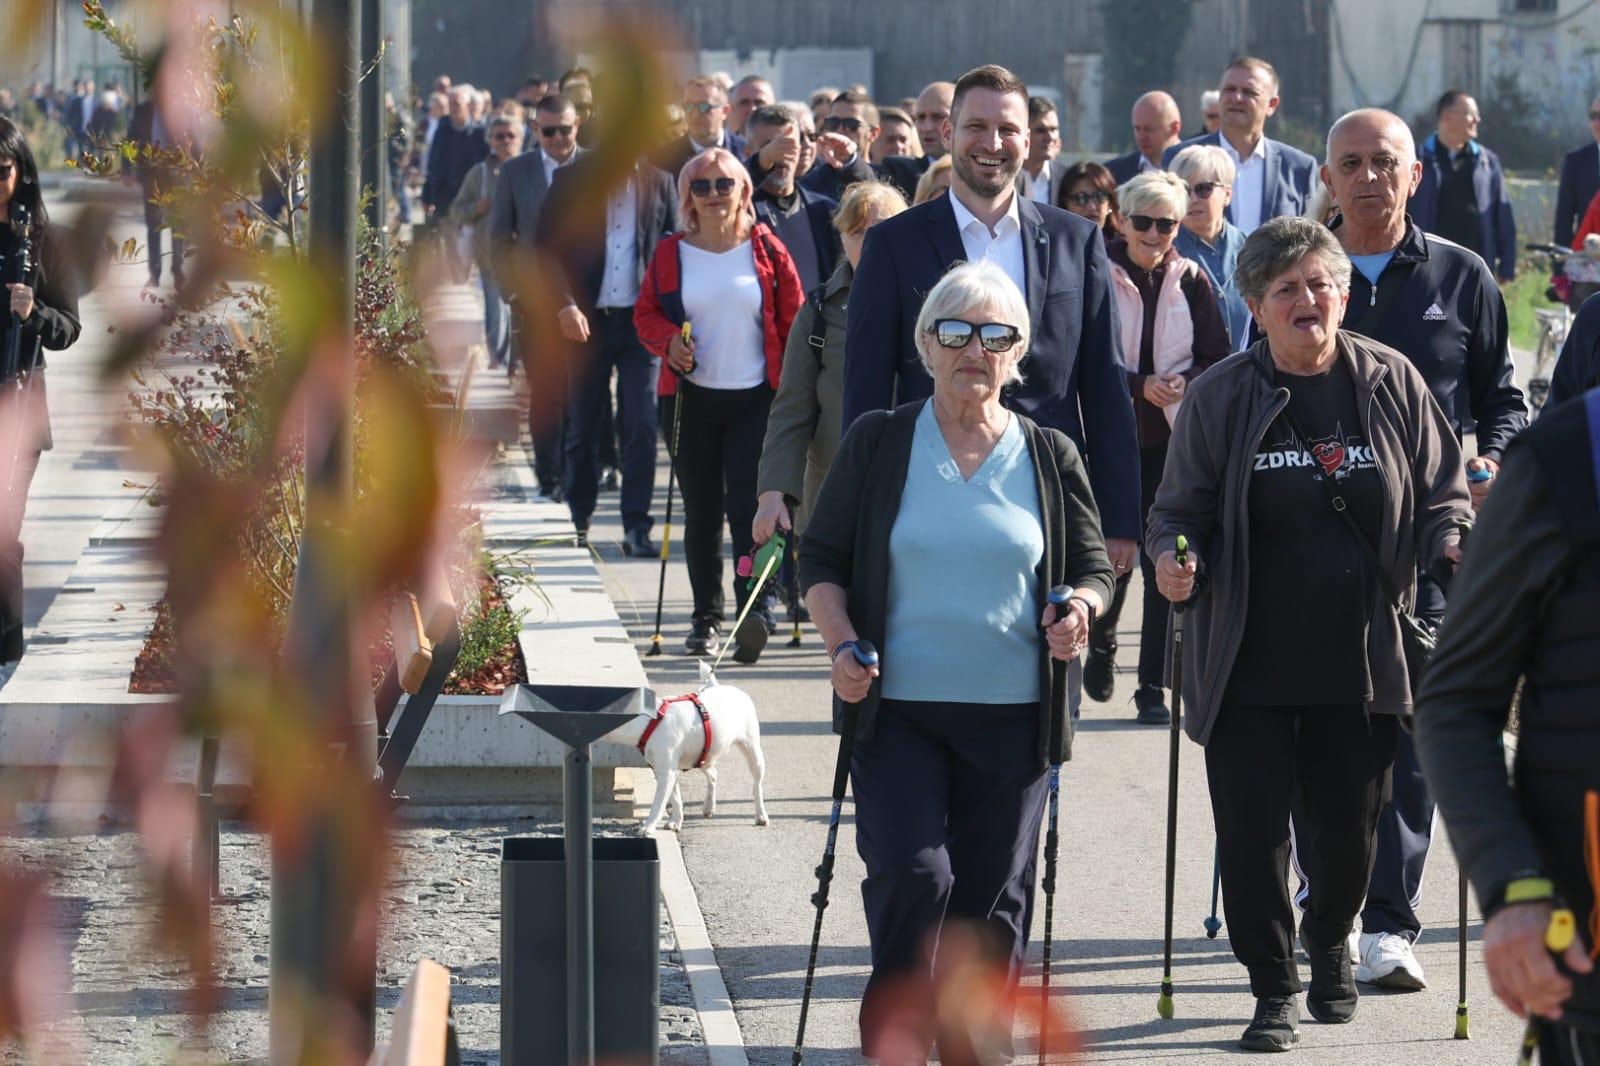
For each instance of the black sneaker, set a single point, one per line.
(705, 636)
(1151, 704)
(751, 637)
(1275, 1027)
(1100, 673)
(637, 544)
(1332, 997)
(609, 482)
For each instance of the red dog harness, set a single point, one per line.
(705, 723)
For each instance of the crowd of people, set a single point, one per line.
(971, 376)
(983, 386)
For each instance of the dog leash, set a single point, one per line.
(770, 559)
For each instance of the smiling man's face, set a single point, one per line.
(989, 140)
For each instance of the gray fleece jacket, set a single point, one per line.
(1204, 496)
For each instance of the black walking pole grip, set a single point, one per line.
(866, 655)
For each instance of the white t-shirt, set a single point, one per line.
(722, 297)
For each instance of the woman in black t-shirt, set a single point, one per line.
(41, 303)
(1294, 669)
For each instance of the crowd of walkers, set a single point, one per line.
(981, 412)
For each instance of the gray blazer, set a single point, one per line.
(519, 194)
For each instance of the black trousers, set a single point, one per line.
(1335, 759)
(613, 345)
(1153, 624)
(948, 799)
(547, 404)
(1405, 825)
(719, 449)
(1563, 1045)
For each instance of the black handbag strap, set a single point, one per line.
(1341, 506)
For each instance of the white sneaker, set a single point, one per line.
(1387, 960)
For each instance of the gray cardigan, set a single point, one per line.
(846, 543)
(803, 426)
(1204, 495)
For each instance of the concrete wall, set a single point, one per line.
(1403, 61)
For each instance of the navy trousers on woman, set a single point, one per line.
(948, 798)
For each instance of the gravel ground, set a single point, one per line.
(443, 902)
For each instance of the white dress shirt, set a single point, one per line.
(1040, 191)
(1249, 185)
(620, 288)
(1002, 245)
(551, 165)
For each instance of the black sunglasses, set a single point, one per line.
(1084, 199)
(1142, 223)
(849, 125)
(1203, 190)
(556, 131)
(701, 187)
(702, 108)
(957, 333)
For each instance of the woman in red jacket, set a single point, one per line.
(732, 282)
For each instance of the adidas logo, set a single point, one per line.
(1434, 313)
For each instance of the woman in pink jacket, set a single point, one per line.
(1171, 331)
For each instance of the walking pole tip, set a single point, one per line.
(1164, 1001)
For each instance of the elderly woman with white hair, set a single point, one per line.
(1172, 329)
(1207, 237)
(938, 536)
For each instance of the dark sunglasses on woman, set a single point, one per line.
(1163, 226)
(702, 187)
(1084, 199)
(1203, 190)
(957, 333)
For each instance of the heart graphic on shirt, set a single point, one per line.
(1329, 454)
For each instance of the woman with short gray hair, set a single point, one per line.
(1207, 237)
(1311, 475)
(1171, 331)
(940, 532)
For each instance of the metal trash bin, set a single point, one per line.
(533, 944)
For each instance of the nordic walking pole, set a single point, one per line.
(1558, 937)
(1213, 923)
(1164, 1001)
(867, 656)
(1058, 683)
(1461, 956)
(666, 528)
(794, 588)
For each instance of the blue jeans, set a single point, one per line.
(496, 320)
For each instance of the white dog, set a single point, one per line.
(673, 740)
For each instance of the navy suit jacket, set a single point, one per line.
(1580, 180)
(676, 155)
(1074, 377)
(572, 225)
(1289, 176)
(1497, 227)
(1124, 168)
(819, 218)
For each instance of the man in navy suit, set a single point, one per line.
(1075, 381)
(1580, 181)
(1157, 126)
(1272, 178)
(705, 111)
